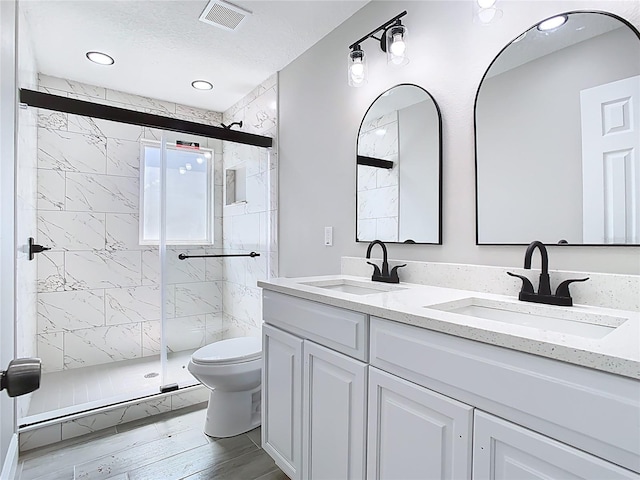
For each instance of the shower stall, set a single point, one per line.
(155, 225)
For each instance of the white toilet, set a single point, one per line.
(231, 369)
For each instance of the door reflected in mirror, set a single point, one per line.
(558, 136)
(398, 184)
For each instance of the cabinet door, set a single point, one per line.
(282, 399)
(334, 415)
(503, 450)
(415, 433)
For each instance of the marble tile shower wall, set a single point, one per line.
(250, 225)
(378, 187)
(98, 289)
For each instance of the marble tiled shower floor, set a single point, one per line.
(79, 389)
(168, 446)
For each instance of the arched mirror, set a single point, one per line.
(398, 182)
(557, 122)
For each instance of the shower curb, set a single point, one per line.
(74, 425)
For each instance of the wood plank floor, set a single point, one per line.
(165, 447)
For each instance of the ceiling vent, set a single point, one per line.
(224, 15)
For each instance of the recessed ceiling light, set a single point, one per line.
(201, 85)
(100, 58)
(552, 23)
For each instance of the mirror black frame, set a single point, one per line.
(437, 107)
(475, 129)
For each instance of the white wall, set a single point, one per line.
(320, 116)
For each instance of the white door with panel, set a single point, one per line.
(334, 415)
(505, 451)
(415, 433)
(282, 398)
(611, 162)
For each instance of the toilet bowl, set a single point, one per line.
(231, 369)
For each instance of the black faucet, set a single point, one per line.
(544, 287)
(527, 293)
(384, 275)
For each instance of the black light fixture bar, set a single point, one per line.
(374, 162)
(381, 27)
(122, 115)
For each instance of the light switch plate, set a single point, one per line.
(328, 236)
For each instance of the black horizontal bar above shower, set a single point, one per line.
(115, 114)
(182, 256)
(374, 162)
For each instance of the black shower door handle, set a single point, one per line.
(35, 248)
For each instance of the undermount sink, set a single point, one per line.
(353, 286)
(560, 320)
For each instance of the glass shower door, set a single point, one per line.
(96, 308)
(186, 230)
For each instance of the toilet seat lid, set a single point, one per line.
(232, 350)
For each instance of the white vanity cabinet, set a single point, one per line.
(282, 399)
(348, 396)
(415, 433)
(571, 408)
(334, 415)
(505, 451)
(314, 405)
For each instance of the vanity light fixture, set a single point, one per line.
(393, 41)
(100, 58)
(552, 23)
(201, 85)
(357, 68)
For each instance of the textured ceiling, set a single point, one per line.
(160, 46)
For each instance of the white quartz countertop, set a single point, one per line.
(616, 352)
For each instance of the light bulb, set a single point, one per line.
(357, 67)
(398, 46)
(207, 155)
(381, 132)
(199, 160)
(486, 3)
(188, 166)
(396, 38)
(182, 170)
(357, 72)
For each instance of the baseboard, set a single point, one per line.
(10, 465)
